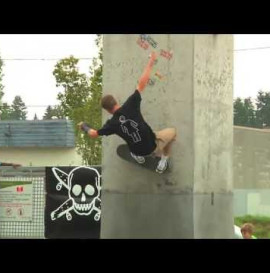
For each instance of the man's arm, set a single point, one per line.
(90, 132)
(147, 72)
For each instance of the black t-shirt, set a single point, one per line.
(128, 123)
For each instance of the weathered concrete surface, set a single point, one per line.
(196, 98)
(147, 215)
(213, 113)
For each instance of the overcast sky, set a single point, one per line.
(35, 83)
(251, 67)
(33, 80)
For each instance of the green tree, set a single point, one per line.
(35, 117)
(263, 109)
(5, 112)
(1, 79)
(55, 112)
(239, 117)
(244, 112)
(80, 101)
(18, 109)
(48, 113)
(58, 112)
(93, 113)
(250, 112)
(75, 85)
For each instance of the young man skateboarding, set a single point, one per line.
(128, 123)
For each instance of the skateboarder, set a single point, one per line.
(128, 123)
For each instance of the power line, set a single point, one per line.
(30, 106)
(42, 59)
(252, 48)
(91, 58)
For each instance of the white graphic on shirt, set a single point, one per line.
(130, 127)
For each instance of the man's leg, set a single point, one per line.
(170, 136)
(165, 140)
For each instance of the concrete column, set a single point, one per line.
(195, 199)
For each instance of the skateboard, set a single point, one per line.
(150, 162)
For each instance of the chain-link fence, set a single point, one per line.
(34, 228)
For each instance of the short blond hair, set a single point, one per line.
(247, 227)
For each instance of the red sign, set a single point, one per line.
(20, 189)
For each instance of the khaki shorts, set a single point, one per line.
(163, 138)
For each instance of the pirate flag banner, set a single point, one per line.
(73, 202)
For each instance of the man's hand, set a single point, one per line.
(90, 132)
(153, 57)
(80, 125)
(83, 126)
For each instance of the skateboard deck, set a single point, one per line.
(150, 162)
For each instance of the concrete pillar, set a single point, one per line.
(195, 199)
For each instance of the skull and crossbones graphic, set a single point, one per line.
(83, 185)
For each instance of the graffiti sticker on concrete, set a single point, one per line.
(159, 76)
(149, 39)
(166, 54)
(151, 82)
(142, 43)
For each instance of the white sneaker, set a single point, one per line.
(162, 165)
(139, 159)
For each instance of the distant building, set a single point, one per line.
(251, 171)
(38, 143)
